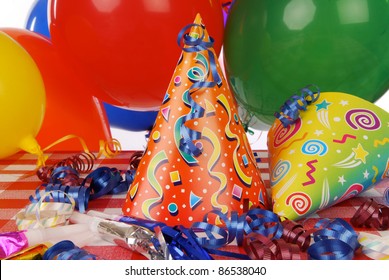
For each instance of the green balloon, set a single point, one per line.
(273, 48)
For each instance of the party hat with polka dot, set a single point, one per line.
(198, 158)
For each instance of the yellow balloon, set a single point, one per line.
(22, 99)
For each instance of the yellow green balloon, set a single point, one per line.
(22, 99)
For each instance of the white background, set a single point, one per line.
(14, 13)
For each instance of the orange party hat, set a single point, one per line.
(198, 158)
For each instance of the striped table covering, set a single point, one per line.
(18, 182)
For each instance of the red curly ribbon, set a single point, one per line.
(260, 247)
(64, 177)
(371, 215)
(82, 163)
(296, 234)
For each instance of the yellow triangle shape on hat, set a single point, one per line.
(198, 158)
(196, 31)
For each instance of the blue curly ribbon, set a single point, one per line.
(191, 45)
(265, 223)
(334, 240)
(190, 135)
(67, 250)
(182, 244)
(386, 196)
(211, 230)
(60, 193)
(104, 180)
(289, 112)
(256, 220)
(64, 175)
(65, 181)
(141, 222)
(185, 244)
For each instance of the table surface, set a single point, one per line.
(18, 182)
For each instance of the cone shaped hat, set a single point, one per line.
(198, 158)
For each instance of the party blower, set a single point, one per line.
(325, 148)
(133, 237)
(14, 242)
(198, 157)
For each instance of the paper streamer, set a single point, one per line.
(44, 213)
(375, 246)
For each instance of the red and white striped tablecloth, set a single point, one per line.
(18, 182)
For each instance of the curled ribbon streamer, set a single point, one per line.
(82, 163)
(59, 193)
(371, 215)
(196, 75)
(330, 250)
(108, 148)
(183, 245)
(67, 250)
(264, 222)
(373, 246)
(105, 180)
(43, 213)
(190, 135)
(193, 44)
(135, 160)
(256, 220)
(178, 243)
(296, 234)
(159, 242)
(334, 240)
(65, 176)
(261, 234)
(259, 247)
(289, 112)
(65, 183)
(63, 213)
(177, 138)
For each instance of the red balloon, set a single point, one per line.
(129, 48)
(70, 105)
